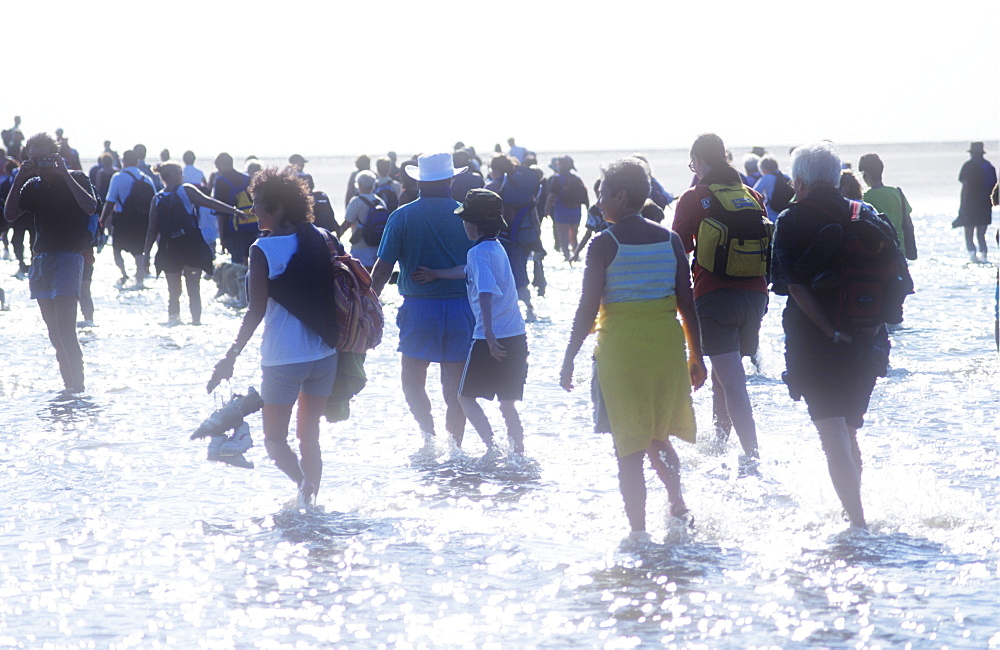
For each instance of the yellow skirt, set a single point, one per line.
(642, 368)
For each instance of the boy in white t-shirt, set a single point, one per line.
(498, 361)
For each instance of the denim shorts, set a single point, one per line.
(435, 330)
(282, 384)
(55, 274)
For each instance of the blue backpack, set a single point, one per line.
(520, 187)
(373, 226)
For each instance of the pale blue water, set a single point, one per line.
(117, 532)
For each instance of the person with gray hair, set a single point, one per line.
(751, 165)
(357, 212)
(830, 361)
(635, 284)
(773, 186)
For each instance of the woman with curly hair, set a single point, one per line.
(290, 289)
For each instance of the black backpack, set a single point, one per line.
(323, 211)
(782, 194)
(388, 196)
(571, 190)
(136, 205)
(172, 218)
(374, 224)
(865, 281)
(520, 187)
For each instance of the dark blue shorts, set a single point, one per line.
(836, 380)
(55, 274)
(435, 330)
(486, 377)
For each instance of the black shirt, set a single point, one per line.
(60, 224)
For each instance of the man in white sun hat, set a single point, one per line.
(435, 320)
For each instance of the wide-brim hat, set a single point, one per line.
(976, 147)
(482, 207)
(434, 167)
(562, 161)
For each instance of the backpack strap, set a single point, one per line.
(370, 207)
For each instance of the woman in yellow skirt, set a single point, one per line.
(635, 282)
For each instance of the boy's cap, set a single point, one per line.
(483, 208)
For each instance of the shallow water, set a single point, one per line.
(118, 532)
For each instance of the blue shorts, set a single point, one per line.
(518, 256)
(55, 274)
(568, 216)
(435, 330)
(282, 384)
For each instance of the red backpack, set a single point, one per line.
(359, 313)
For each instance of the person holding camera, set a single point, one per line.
(62, 202)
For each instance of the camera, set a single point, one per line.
(46, 162)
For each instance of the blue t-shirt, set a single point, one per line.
(426, 232)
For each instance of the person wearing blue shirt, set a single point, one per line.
(435, 320)
(128, 235)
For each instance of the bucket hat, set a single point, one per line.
(483, 208)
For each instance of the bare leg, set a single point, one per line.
(173, 296)
(969, 244)
(842, 461)
(720, 414)
(474, 412)
(563, 242)
(139, 275)
(524, 295)
(454, 417)
(855, 450)
(729, 378)
(556, 235)
(632, 486)
(119, 261)
(573, 241)
(192, 281)
(663, 457)
(275, 418)
(86, 299)
(59, 314)
(413, 376)
(307, 416)
(981, 240)
(515, 431)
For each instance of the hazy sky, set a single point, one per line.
(326, 78)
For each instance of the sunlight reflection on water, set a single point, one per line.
(119, 532)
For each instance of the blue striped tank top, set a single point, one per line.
(640, 272)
